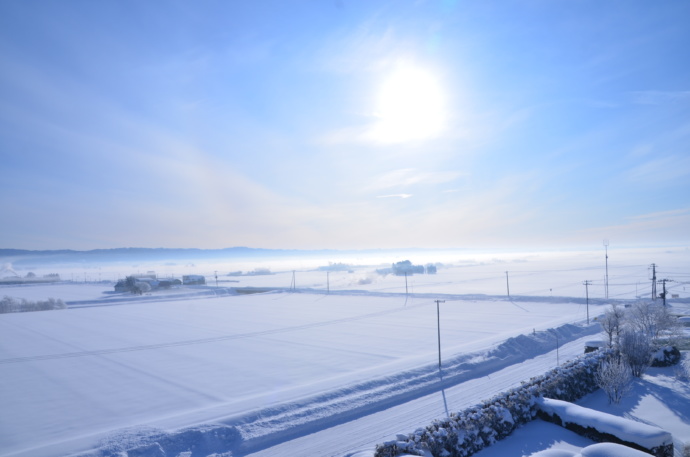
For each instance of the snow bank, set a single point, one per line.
(611, 450)
(602, 426)
(202, 441)
(595, 450)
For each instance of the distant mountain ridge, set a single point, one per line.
(19, 256)
(24, 257)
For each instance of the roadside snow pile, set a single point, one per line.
(202, 441)
(467, 432)
(595, 450)
(599, 426)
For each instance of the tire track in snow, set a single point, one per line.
(216, 339)
(342, 436)
(270, 426)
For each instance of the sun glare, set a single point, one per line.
(409, 106)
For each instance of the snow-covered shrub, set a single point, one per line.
(636, 350)
(16, 305)
(666, 356)
(615, 378)
(683, 369)
(467, 432)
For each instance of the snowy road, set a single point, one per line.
(365, 432)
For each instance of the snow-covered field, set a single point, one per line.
(298, 372)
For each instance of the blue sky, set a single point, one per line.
(344, 124)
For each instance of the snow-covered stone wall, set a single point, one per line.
(467, 432)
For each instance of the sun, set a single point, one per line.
(409, 106)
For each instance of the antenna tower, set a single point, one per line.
(606, 282)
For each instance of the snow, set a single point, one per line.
(267, 361)
(659, 399)
(625, 429)
(300, 372)
(595, 450)
(611, 450)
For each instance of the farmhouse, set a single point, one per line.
(193, 280)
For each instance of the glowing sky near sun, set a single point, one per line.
(344, 124)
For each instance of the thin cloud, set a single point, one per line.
(661, 170)
(659, 97)
(394, 196)
(406, 177)
(670, 226)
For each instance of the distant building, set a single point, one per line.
(133, 283)
(193, 280)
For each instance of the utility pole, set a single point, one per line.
(328, 282)
(438, 326)
(216, 273)
(587, 284)
(293, 285)
(606, 283)
(653, 281)
(663, 284)
(507, 285)
(405, 283)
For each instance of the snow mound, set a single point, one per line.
(202, 441)
(611, 450)
(595, 450)
(637, 433)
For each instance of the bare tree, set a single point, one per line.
(641, 317)
(614, 377)
(141, 288)
(636, 350)
(653, 320)
(612, 324)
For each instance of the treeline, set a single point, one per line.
(22, 305)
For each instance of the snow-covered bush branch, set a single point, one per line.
(636, 333)
(636, 350)
(652, 320)
(615, 378)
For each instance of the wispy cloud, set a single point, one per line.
(659, 97)
(664, 169)
(406, 177)
(394, 196)
(666, 226)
